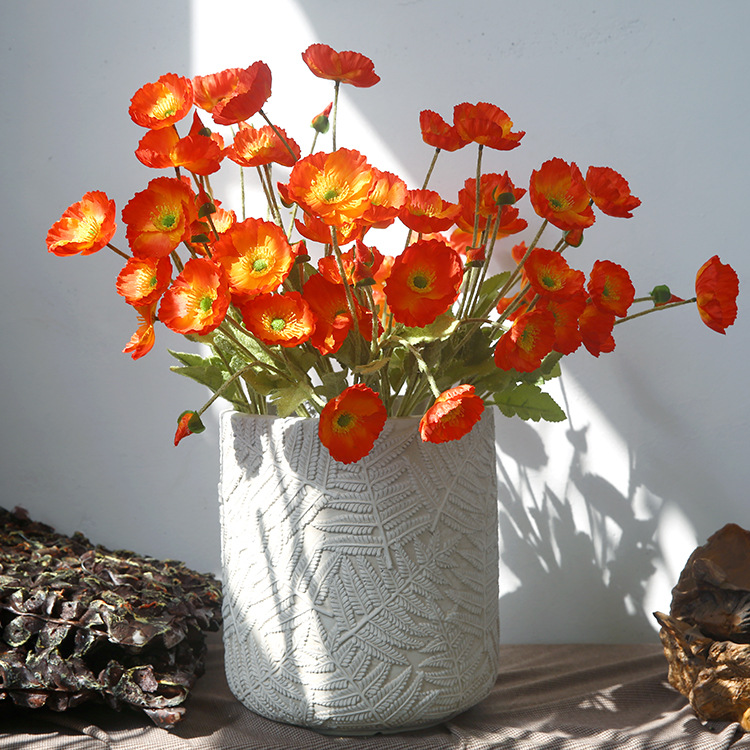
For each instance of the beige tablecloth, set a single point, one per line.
(561, 697)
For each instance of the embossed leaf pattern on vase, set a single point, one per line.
(362, 596)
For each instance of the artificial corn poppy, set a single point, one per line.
(452, 416)
(596, 326)
(386, 197)
(527, 343)
(558, 194)
(438, 133)
(197, 301)
(250, 93)
(487, 125)
(254, 147)
(345, 67)
(142, 341)
(159, 218)
(610, 288)
(256, 257)
(163, 103)
(550, 275)
(423, 282)
(424, 212)
(610, 192)
(350, 423)
(143, 280)
(716, 289)
(85, 227)
(283, 319)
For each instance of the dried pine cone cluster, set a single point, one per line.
(80, 623)
(706, 636)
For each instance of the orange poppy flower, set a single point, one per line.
(85, 227)
(143, 280)
(283, 319)
(558, 194)
(491, 188)
(333, 320)
(452, 416)
(486, 124)
(198, 299)
(189, 423)
(254, 147)
(527, 343)
(197, 152)
(256, 257)
(716, 289)
(596, 328)
(566, 311)
(332, 186)
(611, 192)
(386, 197)
(158, 218)
(610, 288)
(438, 133)
(350, 423)
(346, 67)
(248, 95)
(142, 341)
(423, 282)
(312, 228)
(425, 211)
(549, 274)
(211, 90)
(162, 104)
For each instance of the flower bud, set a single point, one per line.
(321, 122)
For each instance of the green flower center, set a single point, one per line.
(206, 304)
(278, 324)
(260, 265)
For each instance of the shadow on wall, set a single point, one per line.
(582, 556)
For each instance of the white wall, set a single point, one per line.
(599, 513)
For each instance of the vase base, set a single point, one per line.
(372, 732)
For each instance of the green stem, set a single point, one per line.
(278, 133)
(119, 252)
(657, 308)
(335, 113)
(431, 167)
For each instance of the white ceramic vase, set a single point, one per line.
(358, 598)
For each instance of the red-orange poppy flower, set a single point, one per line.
(254, 147)
(211, 90)
(198, 299)
(312, 228)
(256, 257)
(333, 319)
(452, 416)
(247, 97)
(566, 311)
(386, 197)
(350, 423)
(558, 194)
(610, 288)
(197, 152)
(425, 211)
(158, 218)
(143, 280)
(438, 133)
(486, 124)
(189, 423)
(596, 328)
(423, 282)
(283, 319)
(85, 227)
(716, 289)
(611, 192)
(549, 274)
(346, 67)
(162, 104)
(142, 341)
(492, 188)
(332, 186)
(527, 343)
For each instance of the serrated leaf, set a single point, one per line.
(440, 328)
(529, 401)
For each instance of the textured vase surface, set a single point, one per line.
(360, 597)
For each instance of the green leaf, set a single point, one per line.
(288, 399)
(529, 401)
(442, 327)
(488, 293)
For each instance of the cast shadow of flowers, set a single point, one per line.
(582, 558)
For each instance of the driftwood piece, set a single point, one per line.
(706, 636)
